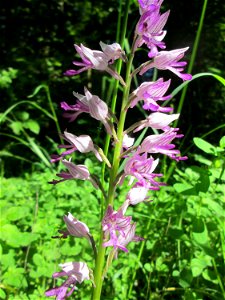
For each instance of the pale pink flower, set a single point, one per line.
(149, 5)
(82, 143)
(141, 167)
(138, 193)
(127, 141)
(75, 172)
(75, 227)
(150, 31)
(119, 229)
(150, 93)
(76, 272)
(169, 60)
(94, 59)
(161, 143)
(91, 104)
(113, 52)
(157, 120)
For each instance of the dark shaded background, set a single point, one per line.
(37, 39)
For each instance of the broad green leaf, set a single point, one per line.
(32, 125)
(14, 238)
(17, 212)
(2, 294)
(15, 277)
(38, 259)
(202, 160)
(203, 182)
(8, 259)
(198, 265)
(148, 267)
(183, 187)
(16, 127)
(222, 142)
(200, 232)
(23, 115)
(210, 275)
(204, 146)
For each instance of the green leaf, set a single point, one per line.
(148, 267)
(32, 125)
(17, 212)
(38, 260)
(200, 232)
(198, 265)
(14, 238)
(23, 115)
(15, 277)
(16, 127)
(2, 294)
(205, 146)
(185, 278)
(210, 275)
(184, 187)
(8, 259)
(222, 142)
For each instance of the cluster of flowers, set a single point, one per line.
(140, 165)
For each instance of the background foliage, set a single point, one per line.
(183, 255)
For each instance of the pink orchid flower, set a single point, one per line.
(76, 272)
(91, 104)
(150, 93)
(82, 143)
(161, 143)
(98, 60)
(169, 60)
(157, 120)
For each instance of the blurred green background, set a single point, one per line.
(184, 251)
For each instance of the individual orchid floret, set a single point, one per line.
(127, 141)
(82, 143)
(157, 120)
(169, 60)
(92, 59)
(76, 272)
(91, 104)
(141, 167)
(149, 31)
(149, 5)
(75, 227)
(118, 227)
(75, 172)
(150, 93)
(113, 52)
(161, 143)
(138, 193)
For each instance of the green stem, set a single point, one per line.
(100, 261)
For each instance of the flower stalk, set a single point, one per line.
(134, 162)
